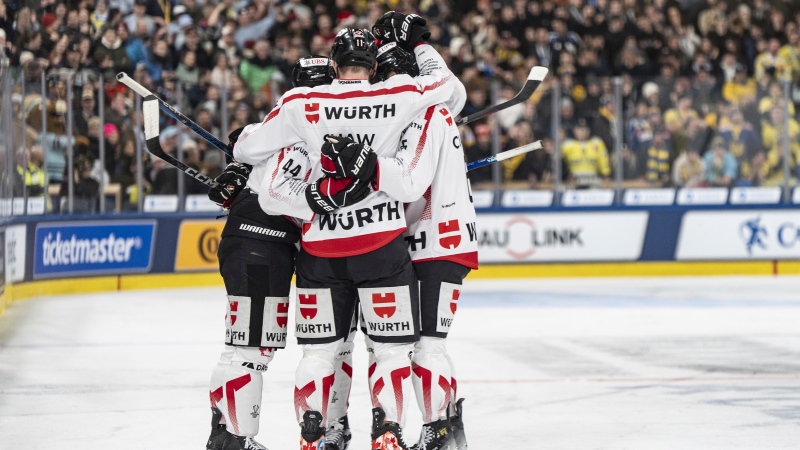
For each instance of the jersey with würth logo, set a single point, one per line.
(372, 114)
(429, 171)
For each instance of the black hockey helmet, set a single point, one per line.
(310, 71)
(392, 58)
(353, 47)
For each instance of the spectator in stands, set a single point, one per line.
(681, 57)
(165, 176)
(110, 54)
(86, 188)
(479, 148)
(658, 160)
(775, 95)
(741, 90)
(260, 69)
(586, 156)
(33, 175)
(772, 133)
(86, 112)
(721, 165)
(741, 140)
(767, 63)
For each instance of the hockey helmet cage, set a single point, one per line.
(354, 47)
(392, 58)
(310, 71)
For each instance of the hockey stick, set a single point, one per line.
(123, 78)
(505, 155)
(535, 78)
(150, 109)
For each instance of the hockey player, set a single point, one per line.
(256, 256)
(357, 253)
(429, 172)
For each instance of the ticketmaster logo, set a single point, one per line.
(57, 251)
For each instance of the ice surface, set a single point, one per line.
(645, 363)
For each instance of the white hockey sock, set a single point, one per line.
(342, 380)
(453, 385)
(236, 384)
(314, 379)
(390, 380)
(431, 378)
(370, 344)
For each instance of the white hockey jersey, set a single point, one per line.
(430, 172)
(372, 114)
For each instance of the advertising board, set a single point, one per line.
(66, 249)
(542, 237)
(198, 241)
(747, 234)
(15, 245)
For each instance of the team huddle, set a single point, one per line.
(362, 164)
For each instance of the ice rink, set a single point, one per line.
(645, 363)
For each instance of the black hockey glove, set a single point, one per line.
(230, 183)
(233, 136)
(406, 30)
(342, 157)
(327, 194)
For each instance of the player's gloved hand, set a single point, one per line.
(233, 136)
(327, 194)
(406, 30)
(230, 183)
(342, 157)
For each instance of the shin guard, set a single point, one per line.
(314, 380)
(236, 384)
(390, 380)
(431, 378)
(342, 380)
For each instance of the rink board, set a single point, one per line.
(138, 251)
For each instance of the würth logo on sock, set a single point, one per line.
(384, 304)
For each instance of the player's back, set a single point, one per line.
(441, 224)
(373, 114)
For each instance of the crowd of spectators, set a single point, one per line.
(701, 81)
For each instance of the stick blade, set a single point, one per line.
(538, 73)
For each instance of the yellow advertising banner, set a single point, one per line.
(198, 241)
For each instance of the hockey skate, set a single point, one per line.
(222, 439)
(457, 423)
(436, 436)
(386, 435)
(312, 435)
(337, 436)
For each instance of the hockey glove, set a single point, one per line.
(233, 136)
(328, 194)
(406, 30)
(230, 183)
(342, 157)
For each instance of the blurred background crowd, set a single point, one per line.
(704, 91)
